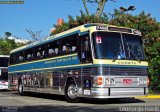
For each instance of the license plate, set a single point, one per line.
(127, 81)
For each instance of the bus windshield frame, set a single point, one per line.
(117, 46)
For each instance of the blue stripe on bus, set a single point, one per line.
(72, 60)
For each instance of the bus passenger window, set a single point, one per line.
(29, 56)
(73, 48)
(38, 55)
(21, 58)
(68, 48)
(43, 54)
(51, 52)
(52, 49)
(56, 50)
(68, 45)
(64, 49)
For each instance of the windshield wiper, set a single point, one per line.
(115, 57)
(118, 53)
(133, 54)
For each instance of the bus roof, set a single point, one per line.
(80, 30)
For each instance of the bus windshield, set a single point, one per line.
(112, 45)
(3, 74)
(4, 61)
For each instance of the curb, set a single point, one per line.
(149, 97)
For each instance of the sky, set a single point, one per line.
(40, 15)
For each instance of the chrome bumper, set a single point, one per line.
(114, 92)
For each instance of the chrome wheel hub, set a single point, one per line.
(72, 91)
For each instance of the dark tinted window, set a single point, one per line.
(111, 45)
(4, 61)
(68, 45)
(4, 75)
(133, 46)
(84, 49)
(106, 44)
(59, 47)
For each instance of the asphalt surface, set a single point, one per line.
(10, 101)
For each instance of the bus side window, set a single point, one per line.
(52, 49)
(69, 44)
(85, 50)
(21, 58)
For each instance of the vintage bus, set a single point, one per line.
(4, 72)
(92, 60)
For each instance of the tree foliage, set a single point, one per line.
(79, 20)
(6, 45)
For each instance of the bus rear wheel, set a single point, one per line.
(71, 92)
(20, 89)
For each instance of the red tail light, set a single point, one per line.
(148, 81)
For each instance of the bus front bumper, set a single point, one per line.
(3, 87)
(114, 92)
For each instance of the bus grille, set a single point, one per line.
(130, 71)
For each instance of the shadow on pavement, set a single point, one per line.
(4, 90)
(85, 100)
(43, 108)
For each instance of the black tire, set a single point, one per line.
(20, 89)
(71, 92)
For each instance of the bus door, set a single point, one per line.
(85, 57)
(84, 49)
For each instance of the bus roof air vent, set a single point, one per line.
(120, 29)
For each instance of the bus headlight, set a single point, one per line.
(110, 81)
(98, 80)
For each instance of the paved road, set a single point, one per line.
(10, 101)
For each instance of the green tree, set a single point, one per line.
(79, 20)
(6, 45)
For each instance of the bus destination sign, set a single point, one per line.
(101, 28)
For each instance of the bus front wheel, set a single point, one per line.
(20, 89)
(71, 92)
